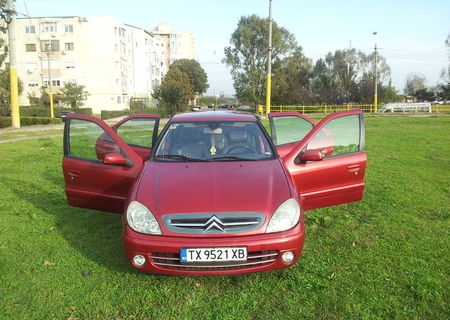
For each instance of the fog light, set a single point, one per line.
(287, 257)
(139, 260)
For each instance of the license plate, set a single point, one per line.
(213, 254)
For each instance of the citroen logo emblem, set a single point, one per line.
(214, 222)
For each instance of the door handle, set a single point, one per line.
(354, 168)
(73, 173)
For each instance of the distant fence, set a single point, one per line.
(366, 108)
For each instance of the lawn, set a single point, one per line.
(384, 257)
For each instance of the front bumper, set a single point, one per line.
(162, 253)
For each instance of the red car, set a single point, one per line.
(214, 193)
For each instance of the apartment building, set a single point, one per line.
(115, 61)
(177, 45)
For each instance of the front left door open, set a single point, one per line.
(90, 182)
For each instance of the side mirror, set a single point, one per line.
(311, 155)
(114, 158)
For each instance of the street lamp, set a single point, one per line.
(269, 62)
(375, 96)
(50, 89)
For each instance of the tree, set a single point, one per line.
(414, 82)
(247, 56)
(347, 76)
(291, 82)
(175, 91)
(443, 91)
(324, 84)
(425, 94)
(73, 94)
(197, 76)
(5, 85)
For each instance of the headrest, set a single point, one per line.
(238, 136)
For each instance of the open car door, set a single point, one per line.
(99, 167)
(139, 131)
(328, 164)
(287, 129)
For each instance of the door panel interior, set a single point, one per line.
(339, 176)
(90, 183)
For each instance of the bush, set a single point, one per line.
(5, 122)
(4, 111)
(29, 121)
(109, 114)
(44, 111)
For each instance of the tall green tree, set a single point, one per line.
(175, 91)
(5, 86)
(444, 88)
(291, 82)
(247, 56)
(197, 75)
(414, 83)
(73, 94)
(347, 76)
(325, 85)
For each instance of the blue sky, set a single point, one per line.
(411, 34)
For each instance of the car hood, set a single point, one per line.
(232, 186)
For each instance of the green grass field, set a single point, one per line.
(387, 256)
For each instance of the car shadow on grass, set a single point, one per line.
(96, 235)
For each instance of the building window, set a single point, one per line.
(30, 47)
(49, 45)
(70, 65)
(30, 29)
(68, 46)
(68, 28)
(32, 83)
(55, 82)
(49, 27)
(118, 99)
(31, 67)
(54, 64)
(122, 32)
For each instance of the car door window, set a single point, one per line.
(289, 129)
(89, 141)
(138, 132)
(339, 136)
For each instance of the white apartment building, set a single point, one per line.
(115, 61)
(177, 45)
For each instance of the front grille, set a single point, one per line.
(214, 223)
(254, 259)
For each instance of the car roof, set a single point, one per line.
(214, 116)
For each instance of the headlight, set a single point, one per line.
(285, 217)
(140, 219)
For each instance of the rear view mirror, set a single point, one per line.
(114, 158)
(311, 155)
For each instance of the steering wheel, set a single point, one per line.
(241, 147)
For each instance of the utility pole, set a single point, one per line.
(14, 85)
(50, 91)
(375, 96)
(269, 62)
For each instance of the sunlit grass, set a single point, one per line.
(384, 257)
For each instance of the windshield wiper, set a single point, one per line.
(178, 157)
(231, 158)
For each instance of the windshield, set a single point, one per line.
(213, 141)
